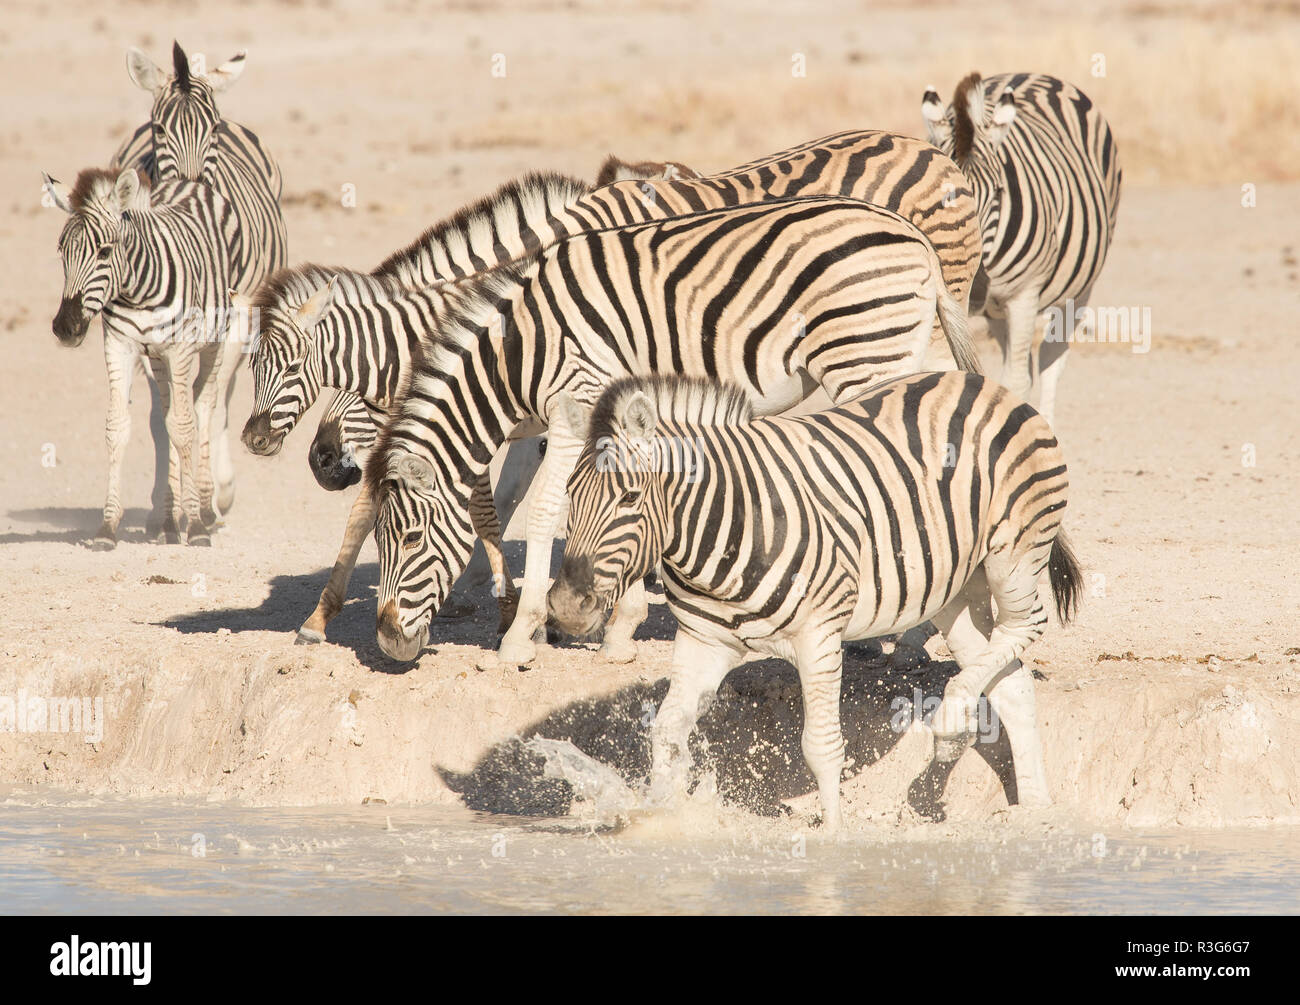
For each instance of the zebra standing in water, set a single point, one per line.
(154, 265)
(1046, 175)
(783, 296)
(187, 139)
(783, 536)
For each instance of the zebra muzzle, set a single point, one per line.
(573, 609)
(71, 323)
(393, 640)
(259, 438)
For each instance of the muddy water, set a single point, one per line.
(79, 855)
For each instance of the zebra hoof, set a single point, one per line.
(625, 653)
(103, 544)
(905, 659)
(199, 540)
(308, 637)
(948, 748)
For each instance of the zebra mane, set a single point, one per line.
(181, 66)
(528, 196)
(686, 400)
(289, 287)
(94, 185)
(964, 131)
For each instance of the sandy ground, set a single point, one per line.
(1175, 698)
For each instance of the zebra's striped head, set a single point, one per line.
(286, 379)
(970, 133)
(185, 117)
(643, 440)
(425, 537)
(92, 245)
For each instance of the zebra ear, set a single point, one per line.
(568, 411)
(227, 73)
(1003, 116)
(58, 192)
(315, 306)
(410, 468)
(638, 415)
(127, 189)
(936, 122)
(144, 72)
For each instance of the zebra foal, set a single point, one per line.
(153, 264)
(784, 536)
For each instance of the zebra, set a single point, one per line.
(1046, 174)
(784, 296)
(928, 498)
(896, 172)
(153, 263)
(186, 138)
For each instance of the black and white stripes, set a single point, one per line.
(1045, 169)
(784, 536)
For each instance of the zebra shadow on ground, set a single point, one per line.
(292, 598)
(748, 740)
(75, 524)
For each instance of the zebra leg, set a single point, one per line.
(1051, 364)
(163, 498)
(361, 520)
(183, 429)
(1022, 317)
(223, 467)
(168, 518)
(985, 655)
(698, 668)
(629, 612)
(483, 512)
(120, 357)
(205, 405)
(819, 660)
(1012, 697)
(564, 445)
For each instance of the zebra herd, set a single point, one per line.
(655, 325)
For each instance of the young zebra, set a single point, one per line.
(187, 139)
(153, 264)
(783, 536)
(1046, 174)
(781, 296)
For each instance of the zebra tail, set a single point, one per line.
(1066, 578)
(952, 318)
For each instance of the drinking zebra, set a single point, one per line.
(186, 138)
(782, 296)
(153, 263)
(783, 536)
(1046, 174)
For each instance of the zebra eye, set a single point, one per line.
(293, 368)
(105, 252)
(412, 538)
(630, 498)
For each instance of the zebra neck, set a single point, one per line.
(691, 488)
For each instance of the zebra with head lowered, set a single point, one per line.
(784, 297)
(186, 138)
(926, 499)
(1046, 174)
(153, 263)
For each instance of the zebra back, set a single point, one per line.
(873, 514)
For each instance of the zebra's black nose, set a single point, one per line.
(71, 323)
